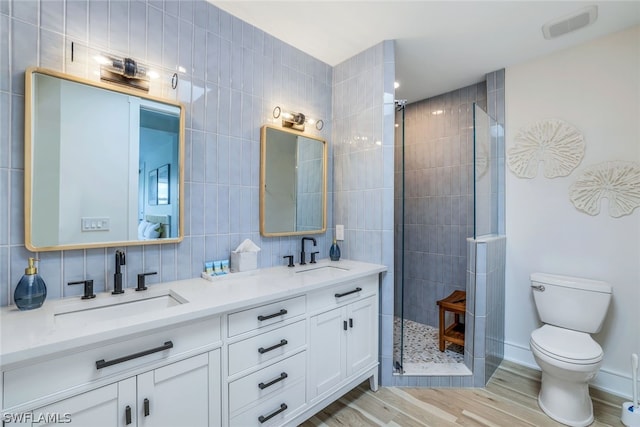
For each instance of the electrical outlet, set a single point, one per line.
(340, 232)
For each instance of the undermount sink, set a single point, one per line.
(79, 314)
(323, 268)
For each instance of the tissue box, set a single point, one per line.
(243, 261)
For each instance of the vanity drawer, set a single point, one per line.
(269, 314)
(278, 407)
(253, 351)
(266, 382)
(59, 374)
(327, 299)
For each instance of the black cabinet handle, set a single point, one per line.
(263, 418)
(103, 364)
(271, 316)
(127, 415)
(263, 350)
(344, 325)
(282, 376)
(358, 289)
(146, 407)
(350, 322)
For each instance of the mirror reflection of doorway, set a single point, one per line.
(158, 165)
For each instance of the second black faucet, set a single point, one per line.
(117, 277)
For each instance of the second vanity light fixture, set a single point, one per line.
(124, 71)
(296, 121)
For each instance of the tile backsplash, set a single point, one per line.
(234, 75)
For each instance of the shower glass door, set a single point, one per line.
(486, 135)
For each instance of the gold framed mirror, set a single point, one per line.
(89, 151)
(293, 183)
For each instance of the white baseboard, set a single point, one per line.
(606, 380)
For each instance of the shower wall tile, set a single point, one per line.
(225, 109)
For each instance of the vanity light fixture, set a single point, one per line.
(124, 71)
(296, 121)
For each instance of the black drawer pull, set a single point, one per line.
(146, 408)
(272, 382)
(263, 350)
(271, 316)
(350, 322)
(358, 289)
(127, 415)
(262, 418)
(102, 364)
(344, 325)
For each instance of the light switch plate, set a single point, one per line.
(95, 223)
(340, 232)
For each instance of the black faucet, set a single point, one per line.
(117, 277)
(302, 254)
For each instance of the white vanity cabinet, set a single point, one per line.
(129, 382)
(99, 407)
(265, 349)
(184, 393)
(174, 395)
(267, 363)
(343, 336)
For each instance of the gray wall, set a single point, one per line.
(242, 72)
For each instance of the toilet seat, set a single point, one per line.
(566, 345)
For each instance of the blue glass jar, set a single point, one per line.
(31, 290)
(334, 251)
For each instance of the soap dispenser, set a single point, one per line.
(31, 290)
(334, 251)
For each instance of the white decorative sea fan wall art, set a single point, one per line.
(555, 142)
(617, 181)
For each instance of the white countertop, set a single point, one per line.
(35, 334)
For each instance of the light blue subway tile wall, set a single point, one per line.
(363, 117)
(494, 332)
(234, 76)
(485, 307)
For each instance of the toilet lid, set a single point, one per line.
(566, 345)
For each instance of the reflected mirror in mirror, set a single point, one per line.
(90, 150)
(293, 183)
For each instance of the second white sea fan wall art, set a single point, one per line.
(616, 181)
(555, 142)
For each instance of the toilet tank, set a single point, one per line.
(571, 302)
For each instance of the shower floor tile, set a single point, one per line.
(421, 354)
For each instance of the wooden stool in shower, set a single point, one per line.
(455, 303)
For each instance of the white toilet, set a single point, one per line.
(571, 308)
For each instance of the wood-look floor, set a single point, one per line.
(509, 400)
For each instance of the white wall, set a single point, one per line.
(93, 187)
(595, 87)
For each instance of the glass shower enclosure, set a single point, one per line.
(446, 197)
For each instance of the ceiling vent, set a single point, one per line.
(570, 23)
